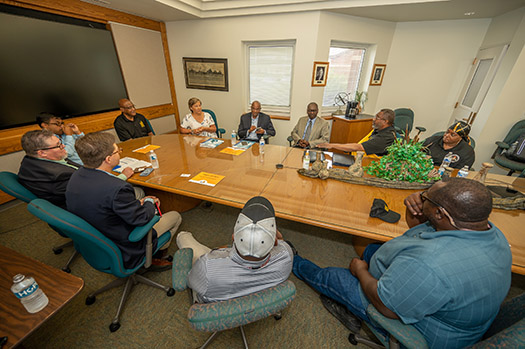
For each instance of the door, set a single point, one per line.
(478, 82)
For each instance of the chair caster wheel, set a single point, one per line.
(90, 300)
(170, 292)
(169, 258)
(57, 251)
(351, 339)
(114, 326)
(67, 270)
(277, 317)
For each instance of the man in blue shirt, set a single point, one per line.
(446, 276)
(255, 124)
(68, 133)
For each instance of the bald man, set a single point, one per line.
(131, 124)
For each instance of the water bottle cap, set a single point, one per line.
(18, 277)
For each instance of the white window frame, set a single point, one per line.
(362, 83)
(269, 109)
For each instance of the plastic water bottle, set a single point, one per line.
(153, 159)
(26, 289)
(261, 145)
(445, 163)
(463, 172)
(234, 137)
(306, 160)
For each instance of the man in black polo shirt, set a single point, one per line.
(376, 142)
(131, 124)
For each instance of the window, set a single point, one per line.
(344, 71)
(270, 68)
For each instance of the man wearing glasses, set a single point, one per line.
(67, 132)
(376, 142)
(130, 124)
(46, 167)
(110, 204)
(254, 125)
(447, 275)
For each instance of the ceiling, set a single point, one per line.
(388, 10)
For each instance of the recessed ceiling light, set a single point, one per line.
(469, 13)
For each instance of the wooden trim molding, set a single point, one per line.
(170, 71)
(10, 139)
(277, 117)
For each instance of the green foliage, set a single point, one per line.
(405, 162)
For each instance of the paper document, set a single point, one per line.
(211, 143)
(243, 144)
(206, 178)
(130, 162)
(233, 151)
(145, 149)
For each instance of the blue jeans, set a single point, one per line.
(336, 283)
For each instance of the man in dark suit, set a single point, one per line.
(255, 124)
(45, 170)
(109, 204)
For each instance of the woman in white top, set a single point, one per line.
(198, 122)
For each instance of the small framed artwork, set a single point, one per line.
(377, 74)
(320, 73)
(206, 73)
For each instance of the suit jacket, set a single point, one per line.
(109, 204)
(320, 131)
(46, 179)
(246, 122)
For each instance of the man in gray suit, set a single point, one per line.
(311, 130)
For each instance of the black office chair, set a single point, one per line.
(10, 185)
(499, 154)
(220, 131)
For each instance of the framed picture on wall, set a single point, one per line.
(320, 73)
(377, 74)
(206, 73)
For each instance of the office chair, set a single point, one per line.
(220, 131)
(499, 154)
(219, 316)
(507, 329)
(101, 253)
(10, 185)
(404, 118)
(472, 141)
(149, 124)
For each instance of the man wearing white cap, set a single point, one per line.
(258, 259)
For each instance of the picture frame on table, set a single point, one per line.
(377, 74)
(206, 73)
(320, 73)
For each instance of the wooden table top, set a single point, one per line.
(328, 203)
(60, 287)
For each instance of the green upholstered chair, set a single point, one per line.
(101, 253)
(404, 118)
(10, 185)
(499, 155)
(150, 126)
(220, 131)
(219, 316)
(507, 329)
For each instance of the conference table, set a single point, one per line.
(60, 287)
(327, 203)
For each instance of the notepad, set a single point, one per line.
(145, 149)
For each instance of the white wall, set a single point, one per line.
(427, 66)
(223, 38)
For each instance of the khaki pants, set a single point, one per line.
(169, 221)
(186, 240)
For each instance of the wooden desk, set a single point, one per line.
(60, 287)
(328, 203)
(350, 130)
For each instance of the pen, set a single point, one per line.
(158, 209)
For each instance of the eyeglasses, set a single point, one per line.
(378, 118)
(130, 107)
(118, 151)
(59, 145)
(424, 197)
(56, 123)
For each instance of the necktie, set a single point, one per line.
(308, 131)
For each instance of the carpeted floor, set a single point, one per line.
(151, 319)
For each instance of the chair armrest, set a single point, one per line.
(407, 335)
(221, 131)
(502, 145)
(182, 263)
(138, 233)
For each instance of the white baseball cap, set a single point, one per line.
(255, 230)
